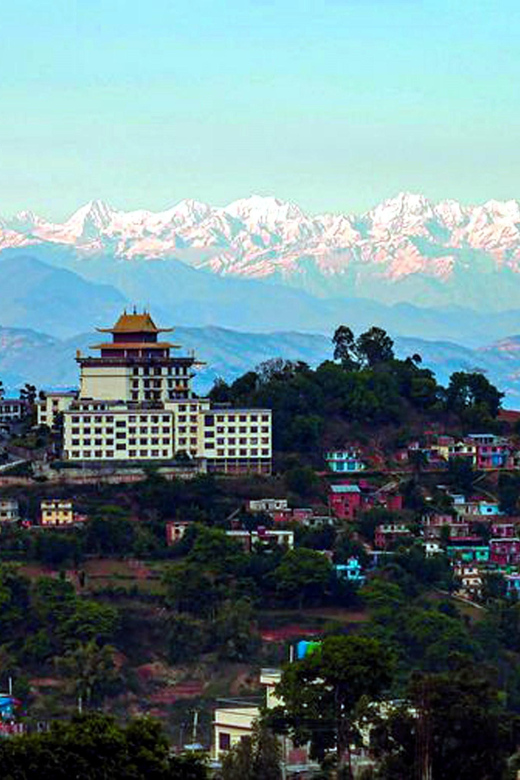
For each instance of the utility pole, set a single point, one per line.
(423, 742)
(195, 725)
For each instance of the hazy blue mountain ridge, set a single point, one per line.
(60, 293)
(28, 356)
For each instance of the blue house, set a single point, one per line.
(512, 584)
(7, 705)
(351, 571)
(345, 461)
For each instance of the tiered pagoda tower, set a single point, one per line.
(135, 366)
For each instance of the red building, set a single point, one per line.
(504, 530)
(347, 500)
(175, 530)
(505, 552)
(298, 515)
(388, 534)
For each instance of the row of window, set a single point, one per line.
(159, 383)
(232, 441)
(242, 453)
(131, 418)
(158, 371)
(102, 455)
(119, 445)
(241, 429)
(109, 431)
(232, 455)
(211, 419)
(156, 395)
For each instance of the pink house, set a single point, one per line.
(492, 451)
(457, 529)
(298, 515)
(388, 534)
(505, 552)
(347, 500)
(505, 530)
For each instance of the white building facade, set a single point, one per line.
(135, 403)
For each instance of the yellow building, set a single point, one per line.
(56, 512)
(135, 403)
(233, 723)
(230, 726)
(52, 405)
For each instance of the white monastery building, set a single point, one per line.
(135, 403)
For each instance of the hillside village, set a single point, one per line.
(180, 557)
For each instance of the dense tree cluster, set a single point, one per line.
(46, 623)
(234, 585)
(431, 692)
(96, 747)
(365, 385)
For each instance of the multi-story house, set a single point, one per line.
(432, 525)
(475, 507)
(12, 410)
(234, 721)
(347, 500)
(346, 460)
(507, 529)
(9, 510)
(462, 449)
(470, 577)
(513, 461)
(483, 450)
(468, 550)
(389, 534)
(52, 405)
(267, 505)
(493, 452)
(135, 403)
(56, 512)
(292, 515)
(505, 551)
(262, 537)
(512, 584)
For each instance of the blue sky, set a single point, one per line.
(335, 104)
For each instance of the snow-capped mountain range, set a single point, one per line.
(406, 248)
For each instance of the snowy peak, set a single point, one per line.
(90, 219)
(23, 222)
(406, 237)
(404, 212)
(189, 211)
(259, 210)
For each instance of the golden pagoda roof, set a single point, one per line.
(135, 345)
(134, 323)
